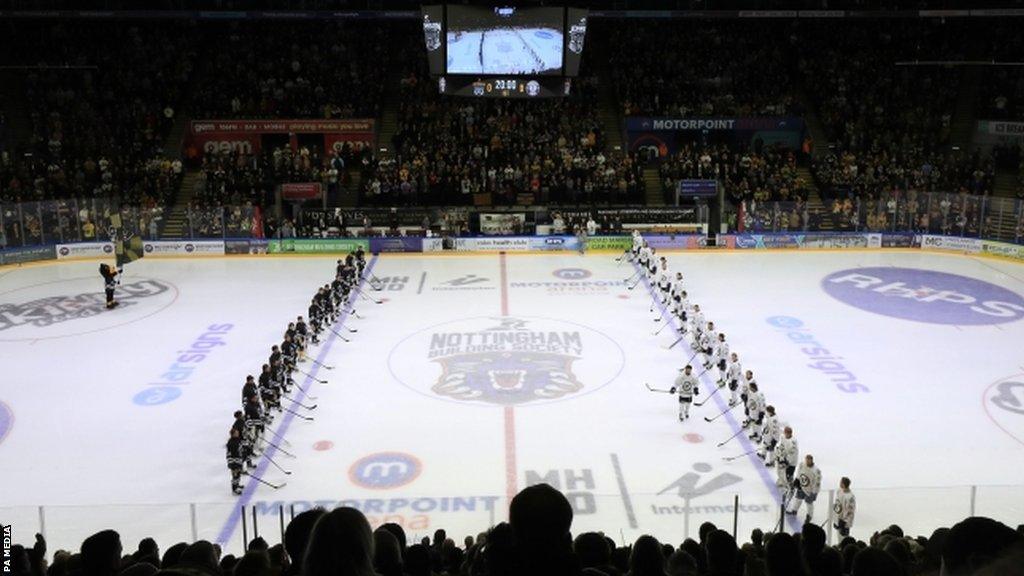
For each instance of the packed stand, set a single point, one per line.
(448, 149)
(700, 68)
(304, 70)
(889, 123)
(538, 541)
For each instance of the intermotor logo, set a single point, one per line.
(925, 296)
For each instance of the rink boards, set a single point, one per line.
(480, 375)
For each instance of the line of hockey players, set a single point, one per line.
(776, 444)
(262, 397)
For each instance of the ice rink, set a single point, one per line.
(478, 375)
(506, 51)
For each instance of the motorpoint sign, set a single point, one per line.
(925, 295)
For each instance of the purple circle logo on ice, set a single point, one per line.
(385, 470)
(925, 296)
(6, 420)
(572, 273)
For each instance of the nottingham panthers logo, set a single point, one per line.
(506, 361)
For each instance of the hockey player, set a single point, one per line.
(254, 423)
(652, 264)
(681, 309)
(769, 436)
(638, 243)
(239, 426)
(807, 484)
(248, 389)
(686, 387)
(314, 321)
(664, 285)
(755, 411)
(733, 375)
(677, 290)
(696, 323)
(845, 507)
(234, 457)
(301, 337)
(644, 256)
(288, 352)
(787, 452)
(720, 354)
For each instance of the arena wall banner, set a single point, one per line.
(301, 190)
(969, 245)
(158, 248)
(1002, 249)
(554, 243)
(502, 244)
(900, 240)
(399, 244)
(85, 250)
(672, 241)
(244, 135)
(246, 246)
(27, 254)
(316, 245)
(614, 243)
(991, 132)
(663, 136)
(833, 240)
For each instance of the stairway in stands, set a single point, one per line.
(176, 225)
(15, 109)
(820, 149)
(963, 121)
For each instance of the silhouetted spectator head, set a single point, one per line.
(148, 547)
(101, 554)
(782, 556)
(398, 532)
(341, 545)
(254, 563)
(173, 555)
(500, 552)
(681, 564)
(439, 537)
(201, 555)
(387, 557)
(705, 529)
(757, 537)
(812, 538)
(721, 549)
(647, 558)
(227, 564)
(592, 550)
(417, 561)
(875, 562)
(258, 544)
(540, 515)
(20, 565)
(830, 563)
(296, 535)
(973, 543)
(694, 549)
(932, 557)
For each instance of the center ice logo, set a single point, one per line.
(385, 470)
(1004, 404)
(6, 420)
(925, 296)
(506, 361)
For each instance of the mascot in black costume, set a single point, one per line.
(110, 282)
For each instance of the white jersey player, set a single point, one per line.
(696, 323)
(769, 436)
(681, 308)
(755, 411)
(787, 453)
(719, 353)
(644, 255)
(807, 484)
(664, 284)
(733, 375)
(652, 263)
(745, 382)
(677, 290)
(638, 243)
(686, 387)
(844, 508)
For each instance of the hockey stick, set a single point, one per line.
(288, 472)
(294, 401)
(738, 432)
(706, 419)
(315, 379)
(306, 392)
(279, 437)
(622, 256)
(262, 481)
(658, 331)
(638, 280)
(297, 415)
(351, 330)
(717, 390)
(356, 314)
(673, 345)
(657, 389)
(731, 458)
(321, 364)
(338, 334)
(364, 296)
(281, 450)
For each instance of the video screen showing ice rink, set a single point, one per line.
(499, 41)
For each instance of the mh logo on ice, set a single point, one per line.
(925, 296)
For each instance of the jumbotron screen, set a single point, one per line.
(505, 40)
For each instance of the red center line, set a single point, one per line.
(511, 475)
